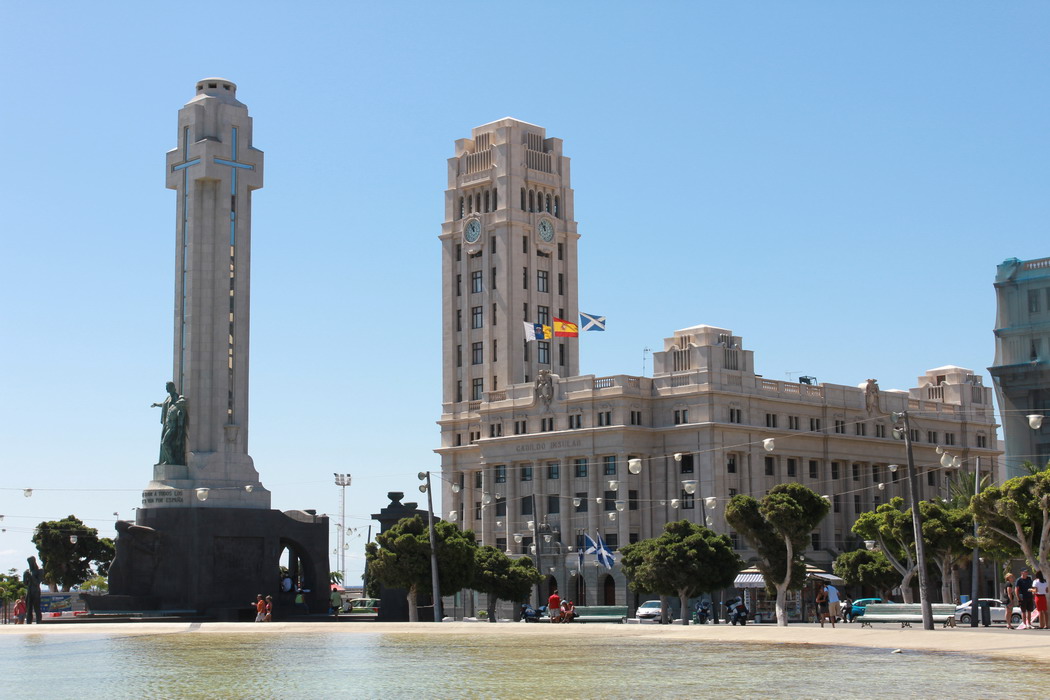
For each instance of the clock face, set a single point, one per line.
(546, 229)
(472, 232)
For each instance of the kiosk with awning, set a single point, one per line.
(763, 606)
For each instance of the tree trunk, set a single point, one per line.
(955, 586)
(906, 594)
(492, 607)
(413, 610)
(782, 586)
(946, 586)
(682, 600)
(664, 617)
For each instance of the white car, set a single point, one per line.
(649, 612)
(962, 612)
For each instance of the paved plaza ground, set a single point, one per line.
(1033, 645)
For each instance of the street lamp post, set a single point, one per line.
(916, 521)
(435, 581)
(342, 480)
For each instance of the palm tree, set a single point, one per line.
(335, 577)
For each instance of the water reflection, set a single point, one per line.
(185, 664)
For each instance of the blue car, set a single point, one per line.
(860, 604)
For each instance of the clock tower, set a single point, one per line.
(508, 247)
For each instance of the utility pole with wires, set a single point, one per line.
(342, 480)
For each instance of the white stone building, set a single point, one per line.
(529, 463)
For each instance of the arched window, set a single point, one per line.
(486, 201)
(523, 199)
(609, 590)
(532, 201)
(556, 207)
(548, 205)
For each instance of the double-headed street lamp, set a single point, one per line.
(342, 480)
(435, 582)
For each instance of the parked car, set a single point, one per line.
(649, 612)
(962, 612)
(362, 605)
(861, 603)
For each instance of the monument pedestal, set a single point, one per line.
(214, 561)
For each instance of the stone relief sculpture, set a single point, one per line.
(871, 396)
(544, 387)
(135, 560)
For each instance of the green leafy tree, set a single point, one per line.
(947, 530)
(96, 583)
(1015, 518)
(400, 558)
(891, 527)
(67, 563)
(685, 560)
(866, 569)
(503, 578)
(778, 528)
(11, 587)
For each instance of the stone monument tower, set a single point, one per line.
(214, 171)
(205, 539)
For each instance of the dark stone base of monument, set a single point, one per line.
(393, 605)
(214, 561)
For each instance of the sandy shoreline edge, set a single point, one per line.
(1031, 645)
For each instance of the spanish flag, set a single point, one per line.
(564, 329)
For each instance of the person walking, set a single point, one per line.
(822, 605)
(269, 609)
(1039, 588)
(336, 602)
(846, 607)
(1025, 600)
(1010, 600)
(260, 608)
(833, 603)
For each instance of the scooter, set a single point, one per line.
(736, 611)
(529, 613)
(703, 613)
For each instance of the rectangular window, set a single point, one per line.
(612, 540)
(1033, 301)
(735, 540)
(604, 418)
(632, 500)
(542, 281)
(526, 506)
(686, 465)
(688, 500)
(521, 427)
(814, 424)
(553, 505)
(792, 466)
(544, 313)
(501, 473)
(561, 354)
(770, 466)
(814, 469)
(814, 540)
(575, 421)
(880, 430)
(501, 506)
(930, 478)
(459, 356)
(459, 319)
(553, 470)
(495, 430)
(636, 417)
(475, 282)
(495, 355)
(609, 501)
(478, 477)
(459, 252)
(771, 420)
(477, 317)
(477, 388)
(838, 503)
(735, 415)
(856, 472)
(931, 436)
(732, 492)
(949, 438)
(477, 510)
(581, 505)
(856, 504)
(860, 429)
(543, 352)
(525, 312)
(609, 465)
(546, 425)
(459, 285)
(681, 416)
(982, 441)
(526, 473)
(492, 281)
(494, 313)
(477, 353)
(524, 278)
(793, 423)
(876, 474)
(525, 244)
(561, 283)
(840, 427)
(580, 468)
(561, 251)
(834, 470)
(731, 464)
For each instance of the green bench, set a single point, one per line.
(906, 613)
(601, 613)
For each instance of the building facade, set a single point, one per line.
(1021, 373)
(534, 465)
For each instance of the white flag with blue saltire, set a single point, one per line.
(590, 546)
(591, 322)
(605, 555)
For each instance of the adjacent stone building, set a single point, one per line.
(535, 455)
(1022, 358)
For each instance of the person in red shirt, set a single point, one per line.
(554, 606)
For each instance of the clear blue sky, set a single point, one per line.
(835, 182)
